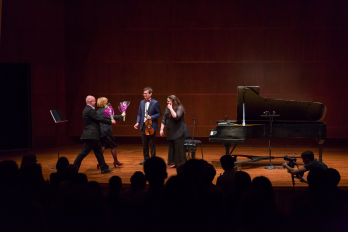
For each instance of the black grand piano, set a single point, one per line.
(296, 119)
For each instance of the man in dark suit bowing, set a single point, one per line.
(148, 109)
(90, 135)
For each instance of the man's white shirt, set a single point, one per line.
(146, 109)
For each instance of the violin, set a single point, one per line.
(148, 127)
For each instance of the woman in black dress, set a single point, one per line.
(107, 139)
(173, 119)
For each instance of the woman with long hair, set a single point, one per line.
(173, 119)
(107, 139)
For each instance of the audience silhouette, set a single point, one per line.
(189, 201)
(137, 190)
(57, 177)
(226, 180)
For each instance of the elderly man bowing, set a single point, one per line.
(90, 135)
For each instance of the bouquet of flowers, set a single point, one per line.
(123, 107)
(109, 111)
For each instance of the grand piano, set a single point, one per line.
(292, 119)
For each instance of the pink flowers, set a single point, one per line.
(123, 107)
(109, 111)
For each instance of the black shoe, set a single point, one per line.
(142, 163)
(106, 171)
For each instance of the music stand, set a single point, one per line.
(58, 117)
(271, 117)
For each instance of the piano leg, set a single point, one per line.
(227, 148)
(320, 143)
(233, 149)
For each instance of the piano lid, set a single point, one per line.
(288, 110)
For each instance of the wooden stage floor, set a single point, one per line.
(131, 156)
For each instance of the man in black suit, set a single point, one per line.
(90, 135)
(148, 109)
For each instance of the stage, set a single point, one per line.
(131, 156)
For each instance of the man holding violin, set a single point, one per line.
(148, 114)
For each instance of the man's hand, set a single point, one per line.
(161, 133)
(286, 166)
(113, 121)
(136, 126)
(148, 117)
(123, 114)
(301, 179)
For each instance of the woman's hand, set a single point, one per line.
(161, 133)
(169, 106)
(123, 114)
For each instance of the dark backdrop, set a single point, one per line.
(15, 116)
(198, 50)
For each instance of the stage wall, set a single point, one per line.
(201, 51)
(33, 33)
(198, 50)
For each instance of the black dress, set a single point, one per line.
(175, 135)
(107, 138)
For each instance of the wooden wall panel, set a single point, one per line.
(216, 78)
(200, 50)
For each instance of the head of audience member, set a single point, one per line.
(242, 181)
(155, 170)
(264, 186)
(81, 178)
(332, 177)
(115, 185)
(62, 164)
(193, 171)
(33, 174)
(28, 159)
(227, 162)
(94, 188)
(138, 181)
(178, 193)
(307, 156)
(90, 100)
(71, 172)
(102, 102)
(180, 170)
(208, 172)
(9, 174)
(256, 202)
